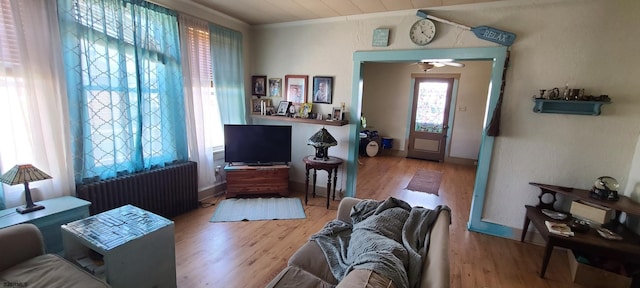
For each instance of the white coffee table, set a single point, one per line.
(137, 247)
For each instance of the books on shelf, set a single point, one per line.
(559, 228)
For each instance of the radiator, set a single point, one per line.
(167, 191)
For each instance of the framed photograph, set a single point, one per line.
(322, 89)
(305, 110)
(296, 86)
(258, 85)
(294, 110)
(283, 108)
(271, 110)
(257, 103)
(336, 114)
(275, 87)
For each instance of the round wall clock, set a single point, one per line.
(422, 32)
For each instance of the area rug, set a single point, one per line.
(427, 181)
(250, 209)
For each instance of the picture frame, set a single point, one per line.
(305, 110)
(296, 88)
(271, 110)
(258, 85)
(256, 104)
(275, 87)
(283, 108)
(336, 114)
(322, 89)
(294, 110)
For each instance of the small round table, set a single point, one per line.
(331, 166)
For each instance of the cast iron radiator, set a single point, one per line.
(167, 191)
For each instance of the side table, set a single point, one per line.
(57, 211)
(331, 166)
(626, 250)
(136, 248)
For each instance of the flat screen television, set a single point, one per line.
(257, 144)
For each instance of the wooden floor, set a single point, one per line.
(250, 254)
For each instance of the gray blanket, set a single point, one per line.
(389, 237)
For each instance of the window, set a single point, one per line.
(125, 86)
(202, 75)
(14, 114)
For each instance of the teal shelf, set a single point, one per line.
(568, 107)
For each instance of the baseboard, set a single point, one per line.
(213, 191)
(461, 161)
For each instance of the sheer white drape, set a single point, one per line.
(32, 103)
(203, 116)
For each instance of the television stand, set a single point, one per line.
(257, 180)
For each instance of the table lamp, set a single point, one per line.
(25, 173)
(322, 140)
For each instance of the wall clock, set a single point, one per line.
(422, 32)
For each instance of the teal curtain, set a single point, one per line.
(228, 73)
(2, 198)
(125, 88)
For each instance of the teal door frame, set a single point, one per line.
(498, 56)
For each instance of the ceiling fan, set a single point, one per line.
(428, 64)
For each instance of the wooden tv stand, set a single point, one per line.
(257, 180)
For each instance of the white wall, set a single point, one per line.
(386, 103)
(587, 44)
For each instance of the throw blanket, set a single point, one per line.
(389, 237)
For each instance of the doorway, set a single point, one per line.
(430, 118)
(498, 56)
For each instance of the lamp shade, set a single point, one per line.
(322, 138)
(23, 173)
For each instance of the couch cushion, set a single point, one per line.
(361, 278)
(294, 277)
(49, 271)
(311, 259)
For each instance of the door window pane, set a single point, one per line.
(432, 98)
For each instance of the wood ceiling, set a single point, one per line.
(257, 12)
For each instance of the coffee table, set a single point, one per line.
(127, 246)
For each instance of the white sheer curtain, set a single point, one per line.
(204, 128)
(32, 102)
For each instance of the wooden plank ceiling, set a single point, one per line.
(257, 12)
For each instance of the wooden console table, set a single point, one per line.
(252, 180)
(331, 166)
(627, 250)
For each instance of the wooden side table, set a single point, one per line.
(588, 242)
(331, 166)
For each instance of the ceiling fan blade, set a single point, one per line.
(454, 64)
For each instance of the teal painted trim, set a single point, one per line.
(354, 129)
(486, 146)
(491, 229)
(495, 54)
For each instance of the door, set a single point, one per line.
(429, 118)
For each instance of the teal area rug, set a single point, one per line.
(239, 209)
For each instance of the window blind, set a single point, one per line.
(9, 52)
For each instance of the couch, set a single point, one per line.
(23, 262)
(308, 266)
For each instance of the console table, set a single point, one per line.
(136, 247)
(252, 180)
(590, 242)
(57, 211)
(331, 166)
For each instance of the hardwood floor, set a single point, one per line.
(250, 254)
